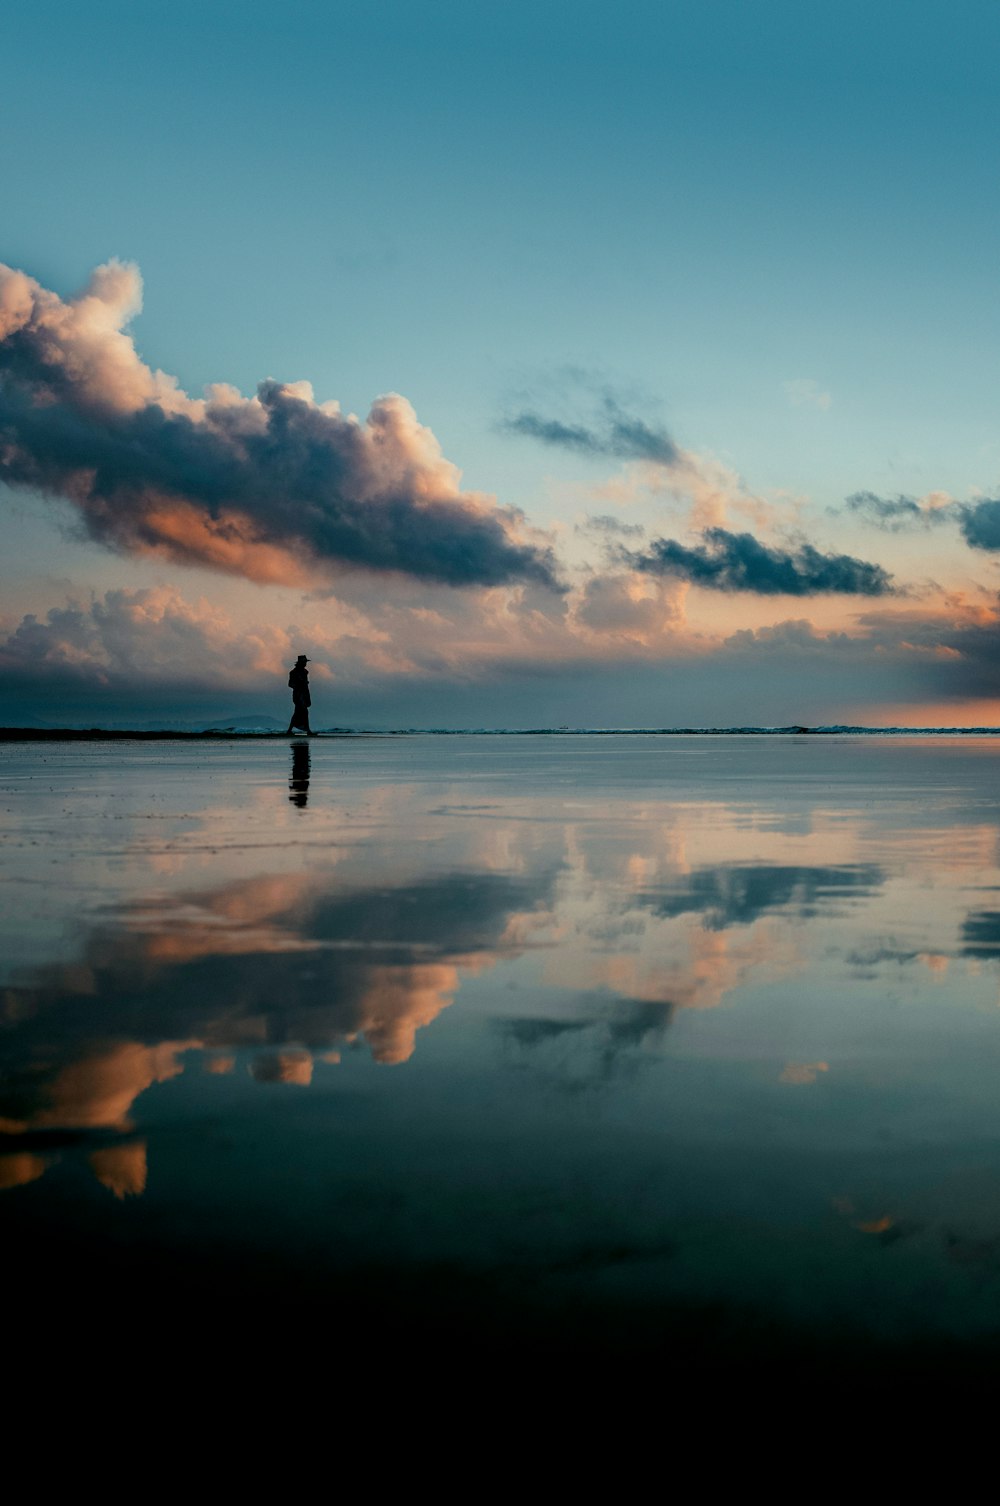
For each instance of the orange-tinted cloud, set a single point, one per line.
(18, 1168)
(295, 965)
(284, 1066)
(98, 1091)
(400, 1001)
(219, 1066)
(276, 487)
(121, 1169)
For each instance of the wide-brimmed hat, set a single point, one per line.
(302, 659)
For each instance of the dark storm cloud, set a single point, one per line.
(739, 562)
(276, 488)
(616, 434)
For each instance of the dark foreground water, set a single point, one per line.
(576, 1048)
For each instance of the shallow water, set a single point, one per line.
(623, 1041)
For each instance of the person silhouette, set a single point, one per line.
(298, 779)
(298, 681)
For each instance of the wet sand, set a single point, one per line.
(599, 1049)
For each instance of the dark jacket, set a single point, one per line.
(298, 681)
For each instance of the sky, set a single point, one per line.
(549, 364)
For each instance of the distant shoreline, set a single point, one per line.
(117, 734)
(224, 734)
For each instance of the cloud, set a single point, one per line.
(802, 1073)
(122, 1168)
(733, 895)
(293, 964)
(458, 659)
(980, 523)
(283, 1066)
(687, 966)
(894, 514)
(926, 666)
(152, 638)
(795, 635)
(536, 1030)
(20, 1168)
(739, 562)
(93, 1088)
(655, 465)
(610, 1034)
(981, 934)
(276, 487)
(615, 433)
(631, 607)
(157, 645)
(418, 657)
(603, 524)
(957, 646)
(804, 392)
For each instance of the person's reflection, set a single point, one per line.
(298, 780)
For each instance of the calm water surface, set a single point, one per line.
(662, 1041)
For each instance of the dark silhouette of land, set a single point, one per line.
(231, 734)
(103, 734)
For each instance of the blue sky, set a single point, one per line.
(769, 229)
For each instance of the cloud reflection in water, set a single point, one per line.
(671, 907)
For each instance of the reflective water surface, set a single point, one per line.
(677, 1041)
